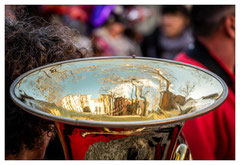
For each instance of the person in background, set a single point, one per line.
(30, 43)
(109, 38)
(171, 36)
(74, 16)
(212, 136)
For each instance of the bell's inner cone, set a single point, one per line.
(118, 90)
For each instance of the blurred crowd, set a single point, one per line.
(122, 30)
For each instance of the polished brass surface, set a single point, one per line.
(96, 143)
(109, 132)
(102, 91)
(180, 152)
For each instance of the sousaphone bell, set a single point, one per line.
(120, 108)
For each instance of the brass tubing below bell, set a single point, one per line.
(180, 153)
(66, 154)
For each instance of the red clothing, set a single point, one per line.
(212, 136)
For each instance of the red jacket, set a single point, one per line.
(212, 136)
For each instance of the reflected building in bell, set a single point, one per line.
(84, 103)
(105, 104)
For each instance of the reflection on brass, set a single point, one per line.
(145, 100)
(55, 112)
(180, 152)
(118, 90)
(107, 131)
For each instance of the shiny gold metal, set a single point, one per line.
(180, 152)
(121, 92)
(106, 131)
(119, 107)
(64, 145)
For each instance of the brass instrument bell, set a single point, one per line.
(119, 107)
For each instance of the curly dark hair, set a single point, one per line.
(31, 43)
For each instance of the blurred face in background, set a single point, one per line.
(173, 24)
(116, 29)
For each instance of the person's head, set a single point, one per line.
(116, 28)
(175, 18)
(30, 43)
(206, 20)
(115, 24)
(214, 26)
